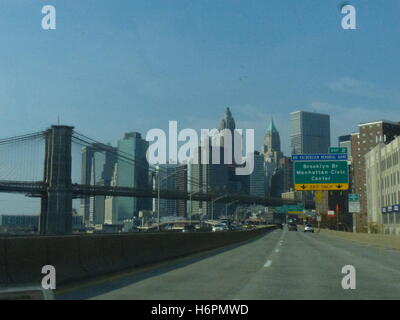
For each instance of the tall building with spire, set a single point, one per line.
(272, 154)
(227, 122)
(212, 177)
(272, 140)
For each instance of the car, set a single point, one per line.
(235, 227)
(189, 228)
(308, 228)
(292, 227)
(219, 227)
(248, 227)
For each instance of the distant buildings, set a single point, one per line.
(131, 170)
(208, 177)
(29, 223)
(219, 178)
(282, 178)
(98, 161)
(373, 153)
(127, 166)
(310, 132)
(382, 165)
(370, 134)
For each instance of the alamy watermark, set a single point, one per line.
(348, 21)
(49, 20)
(204, 150)
(49, 280)
(349, 280)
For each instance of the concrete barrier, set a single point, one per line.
(90, 253)
(112, 253)
(64, 254)
(82, 256)
(3, 262)
(25, 259)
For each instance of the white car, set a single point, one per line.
(219, 227)
(308, 228)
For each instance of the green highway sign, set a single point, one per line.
(321, 175)
(337, 150)
(354, 203)
(354, 197)
(290, 208)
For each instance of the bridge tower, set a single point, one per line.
(56, 205)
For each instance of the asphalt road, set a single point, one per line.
(280, 265)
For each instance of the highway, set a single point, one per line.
(280, 265)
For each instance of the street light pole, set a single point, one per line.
(227, 205)
(191, 205)
(212, 205)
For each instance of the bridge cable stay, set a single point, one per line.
(21, 138)
(22, 157)
(21, 163)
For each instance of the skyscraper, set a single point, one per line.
(98, 162)
(272, 140)
(228, 123)
(272, 154)
(257, 177)
(181, 185)
(207, 177)
(282, 177)
(131, 170)
(310, 132)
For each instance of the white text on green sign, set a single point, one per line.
(308, 172)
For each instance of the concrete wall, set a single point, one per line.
(83, 256)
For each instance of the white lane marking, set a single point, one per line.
(268, 264)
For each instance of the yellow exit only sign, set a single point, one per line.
(321, 186)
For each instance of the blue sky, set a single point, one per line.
(114, 66)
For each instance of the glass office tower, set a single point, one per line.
(310, 132)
